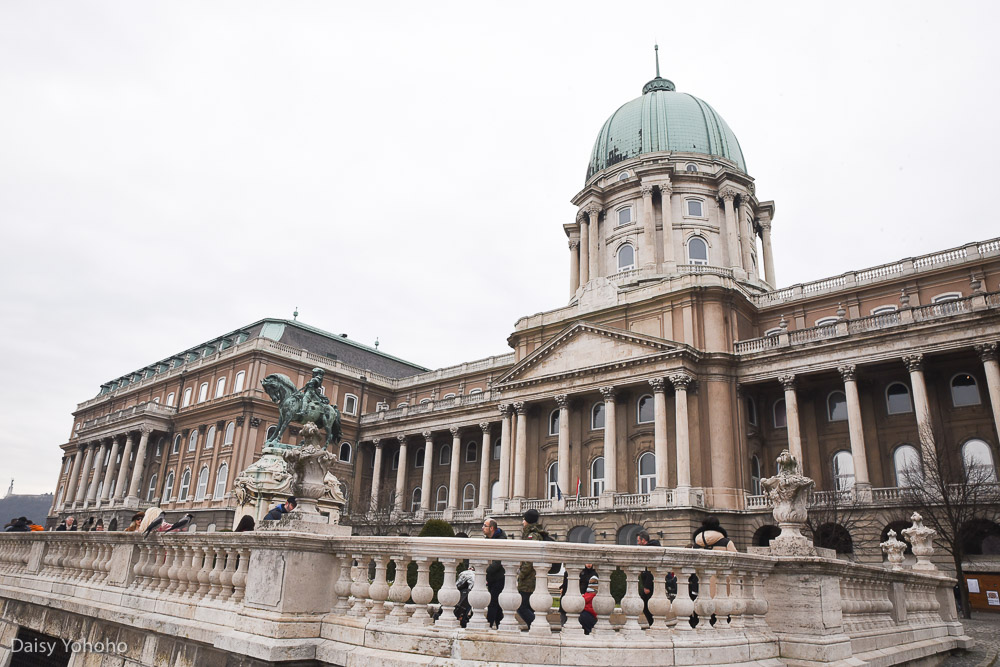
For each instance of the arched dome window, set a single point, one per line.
(779, 415)
(554, 422)
(690, 167)
(626, 257)
(623, 176)
(697, 251)
(644, 409)
(597, 416)
(897, 399)
(647, 472)
(978, 461)
(552, 475)
(597, 476)
(836, 406)
(964, 390)
(843, 471)
(469, 496)
(906, 464)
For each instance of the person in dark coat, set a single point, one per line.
(18, 525)
(280, 510)
(531, 530)
(494, 574)
(68, 524)
(245, 525)
(646, 578)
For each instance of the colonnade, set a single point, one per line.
(82, 489)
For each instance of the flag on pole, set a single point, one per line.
(577, 489)
(558, 493)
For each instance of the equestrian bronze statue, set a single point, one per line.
(302, 406)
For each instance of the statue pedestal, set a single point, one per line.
(303, 522)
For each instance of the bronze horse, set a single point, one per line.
(290, 409)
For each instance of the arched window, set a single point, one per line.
(691, 166)
(644, 409)
(755, 489)
(695, 208)
(552, 478)
(946, 297)
(210, 438)
(884, 310)
(230, 434)
(170, 399)
(182, 494)
(897, 399)
(623, 176)
(193, 440)
(221, 479)
(203, 392)
(444, 455)
(114, 483)
(187, 398)
(404, 404)
(843, 471)
(159, 446)
(836, 406)
(626, 534)
(597, 476)
(773, 332)
(697, 250)
(906, 462)
(415, 500)
(647, 472)
(496, 449)
(494, 492)
(964, 390)
(554, 422)
(238, 384)
(418, 458)
(780, 418)
(100, 488)
(581, 535)
(395, 460)
(271, 433)
(469, 496)
(345, 452)
(152, 488)
(350, 404)
(220, 387)
(202, 488)
(597, 416)
(834, 536)
(751, 411)
(978, 461)
(424, 401)
(470, 452)
(168, 488)
(626, 257)
(442, 498)
(826, 321)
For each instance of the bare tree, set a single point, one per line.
(835, 516)
(955, 497)
(379, 520)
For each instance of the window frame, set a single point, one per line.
(691, 168)
(151, 490)
(909, 398)
(552, 481)
(239, 382)
(394, 463)
(230, 435)
(419, 457)
(618, 216)
(598, 406)
(623, 176)
(221, 477)
(187, 398)
(687, 248)
(687, 208)
(474, 449)
(467, 502)
(618, 257)
(774, 414)
(829, 407)
(842, 481)
(353, 410)
(203, 392)
(647, 480)
(441, 504)
(755, 476)
(442, 461)
(826, 321)
(415, 498)
(945, 297)
(350, 452)
(497, 449)
(176, 446)
(210, 437)
(900, 483)
(185, 487)
(975, 386)
(201, 491)
(168, 486)
(885, 309)
(192, 441)
(554, 422)
(638, 409)
(992, 460)
(597, 483)
(220, 387)
(170, 400)
(751, 408)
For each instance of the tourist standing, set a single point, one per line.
(494, 574)
(531, 529)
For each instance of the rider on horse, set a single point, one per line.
(311, 390)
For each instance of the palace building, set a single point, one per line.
(663, 389)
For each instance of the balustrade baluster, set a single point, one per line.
(704, 606)
(139, 568)
(240, 576)
(226, 577)
(603, 603)
(214, 562)
(632, 602)
(204, 568)
(723, 602)
(448, 596)
(739, 602)
(659, 601)
(479, 597)
(422, 594)
(378, 590)
(399, 593)
(683, 604)
(510, 598)
(83, 564)
(572, 601)
(343, 585)
(541, 601)
(359, 586)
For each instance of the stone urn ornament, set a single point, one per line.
(894, 549)
(309, 467)
(921, 538)
(788, 492)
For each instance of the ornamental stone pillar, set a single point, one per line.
(660, 430)
(746, 233)
(521, 450)
(988, 355)
(681, 382)
(456, 451)
(505, 412)
(376, 475)
(921, 404)
(98, 472)
(140, 466)
(765, 237)
(584, 249)
(425, 484)
(574, 267)
(792, 418)
(667, 223)
(610, 441)
(123, 469)
(856, 429)
(486, 453)
(728, 197)
(401, 474)
(74, 476)
(111, 471)
(562, 400)
(647, 249)
(593, 212)
(81, 487)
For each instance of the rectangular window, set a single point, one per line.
(624, 215)
(350, 404)
(695, 208)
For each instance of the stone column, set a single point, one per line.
(486, 453)
(765, 237)
(456, 455)
(746, 234)
(401, 474)
(98, 472)
(854, 425)
(921, 404)
(593, 212)
(728, 196)
(660, 431)
(376, 475)
(521, 450)
(667, 222)
(81, 487)
(562, 400)
(59, 483)
(988, 354)
(425, 484)
(140, 465)
(792, 418)
(574, 267)
(505, 450)
(647, 249)
(584, 249)
(74, 476)
(111, 472)
(681, 381)
(610, 441)
(123, 470)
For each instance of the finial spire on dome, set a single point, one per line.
(659, 83)
(656, 48)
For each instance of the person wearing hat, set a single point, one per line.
(531, 530)
(136, 522)
(588, 617)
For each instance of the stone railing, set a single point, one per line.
(627, 500)
(257, 595)
(428, 406)
(149, 408)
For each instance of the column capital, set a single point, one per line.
(848, 372)
(574, 244)
(787, 381)
(728, 194)
(746, 199)
(608, 392)
(581, 215)
(681, 381)
(914, 362)
(987, 352)
(666, 189)
(646, 190)
(593, 208)
(145, 430)
(428, 435)
(658, 384)
(562, 400)
(485, 426)
(402, 440)
(764, 224)
(520, 407)
(454, 431)
(377, 442)
(504, 409)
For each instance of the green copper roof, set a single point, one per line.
(663, 120)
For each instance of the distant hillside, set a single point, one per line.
(35, 508)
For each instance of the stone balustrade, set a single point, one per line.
(284, 596)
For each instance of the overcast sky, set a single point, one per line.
(170, 171)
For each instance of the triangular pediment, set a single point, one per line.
(585, 346)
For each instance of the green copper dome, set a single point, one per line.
(663, 120)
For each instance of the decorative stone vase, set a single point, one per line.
(788, 492)
(894, 549)
(922, 539)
